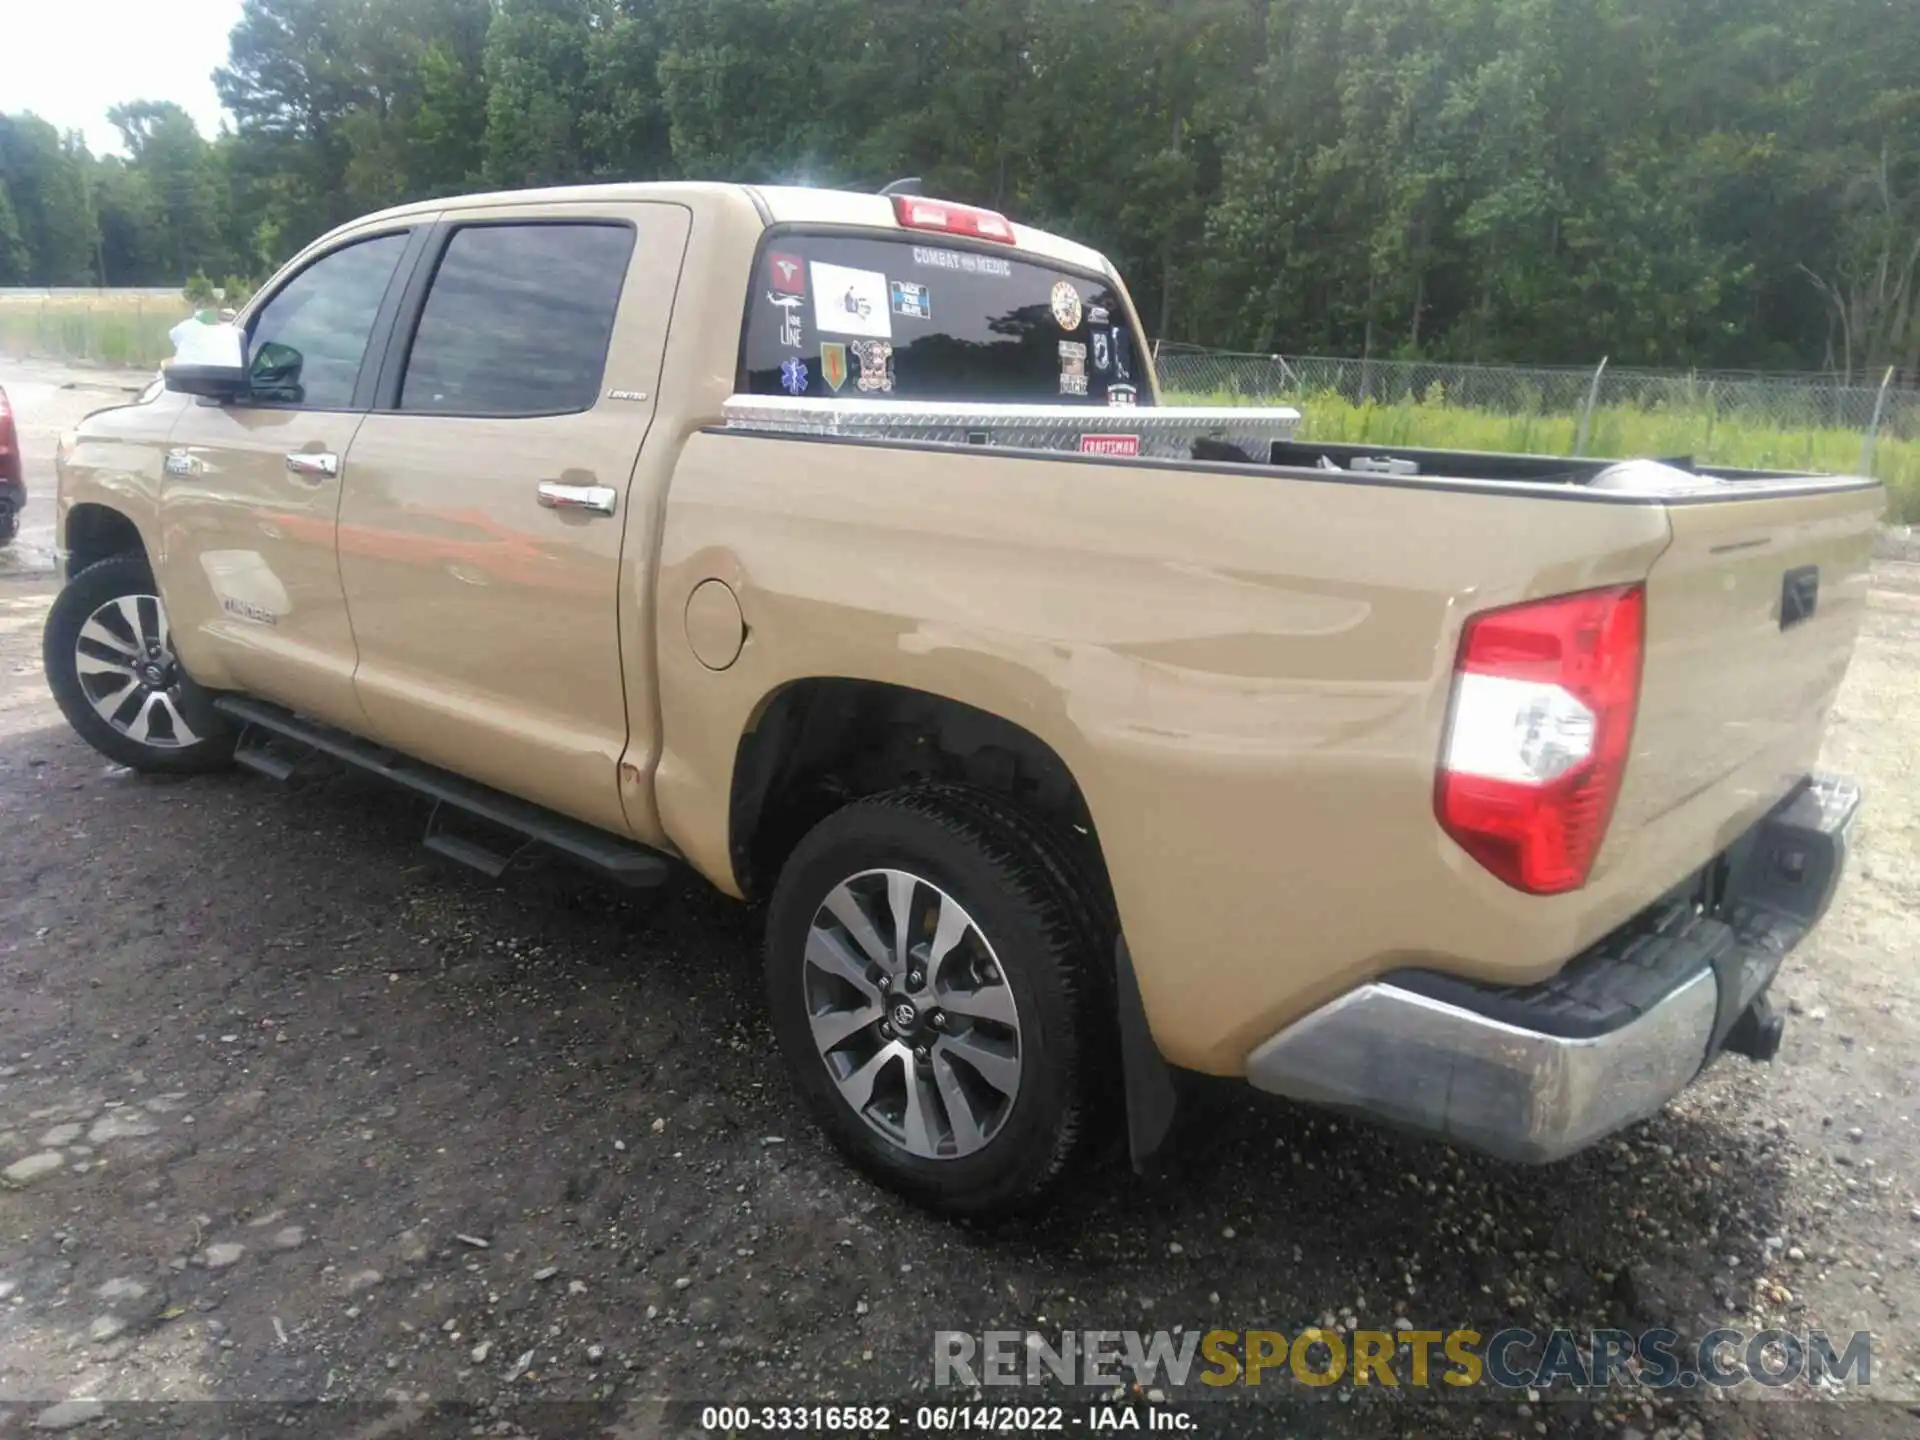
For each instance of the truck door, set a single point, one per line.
(251, 487)
(483, 508)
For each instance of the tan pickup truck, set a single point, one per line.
(840, 547)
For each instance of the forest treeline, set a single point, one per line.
(1714, 182)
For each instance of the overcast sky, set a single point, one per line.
(69, 61)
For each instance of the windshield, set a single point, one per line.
(882, 318)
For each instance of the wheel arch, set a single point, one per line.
(817, 743)
(95, 531)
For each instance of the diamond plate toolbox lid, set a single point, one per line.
(1163, 432)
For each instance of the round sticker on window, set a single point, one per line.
(1066, 305)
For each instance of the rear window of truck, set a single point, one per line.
(878, 318)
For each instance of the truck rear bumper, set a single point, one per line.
(1535, 1073)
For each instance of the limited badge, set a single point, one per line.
(790, 322)
(910, 300)
(1066, 305)
(1109, 444)
(833, 364)
(1120, 397)
(1102, 351)
(786, 273)
(876, 365)
(793, 376)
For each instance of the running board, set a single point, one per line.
(622, 860)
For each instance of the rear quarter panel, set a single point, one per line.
(1247, 673)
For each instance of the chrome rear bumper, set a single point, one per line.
(1443, 1071)
(1536, 1073)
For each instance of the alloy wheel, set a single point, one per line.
(911, 1013)
(125, 662)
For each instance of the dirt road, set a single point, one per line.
(291, 1110)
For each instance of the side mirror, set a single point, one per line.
(209, 360)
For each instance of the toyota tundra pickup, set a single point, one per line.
(843, 548)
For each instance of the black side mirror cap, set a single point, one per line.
(215, 382)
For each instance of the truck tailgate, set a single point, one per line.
(1751, 617)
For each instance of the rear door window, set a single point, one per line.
(883, 318)
(518, 320)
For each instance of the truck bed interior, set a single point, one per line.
(1482, 465)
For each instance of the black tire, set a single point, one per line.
(101, 583)
(1013, 878)
(9, 524)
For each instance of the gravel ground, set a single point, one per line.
(290, 1110)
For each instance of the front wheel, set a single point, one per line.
(110, 664)
(935, 985)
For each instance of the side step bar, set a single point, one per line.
(625, 861)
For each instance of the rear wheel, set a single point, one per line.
(9, 523)
(935, 987)
(110, 664)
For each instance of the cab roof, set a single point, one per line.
(776, 204)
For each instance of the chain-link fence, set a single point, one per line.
(1728, 418)
(101, 327)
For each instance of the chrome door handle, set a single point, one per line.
(596, 498)
(310, 462)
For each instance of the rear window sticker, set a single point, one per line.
(793, 376)
(786, 273)
(1122, 354)
(1073, 359)
(1097, 315)
(1109, 444)
(833, 364)
(1066, 305)
(876, 364)
(850, 302)
(1102, 351)
(963, 261)
(791, 326)
(911, 300)
(1120, 397)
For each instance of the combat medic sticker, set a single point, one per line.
(833, 364)
(850, 302)
(790, 322)
(1120, 397)
(1096, 314)
(964, 261)
(786, 274)
(1066, 305)
(876, 365)
(911, 300)
(793, 376)
(1102, 351)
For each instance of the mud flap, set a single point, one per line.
(1151, 1097)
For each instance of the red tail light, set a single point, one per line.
(920, 214)
(1536, 743)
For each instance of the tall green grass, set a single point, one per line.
(108, 328)
(1704, 433)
